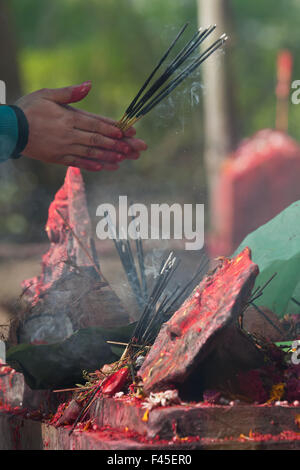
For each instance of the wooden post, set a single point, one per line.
(219, 121)
(284, 76)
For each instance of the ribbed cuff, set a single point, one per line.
(23, 131)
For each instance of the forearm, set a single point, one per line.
(13, 132)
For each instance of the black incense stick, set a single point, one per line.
(130, 107)
(177, 81)
(146, 100)
(175, 64)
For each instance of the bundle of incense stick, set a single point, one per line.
(147, 99)
(153, 315)
(137, 282)
(137, 279)
(162, 302)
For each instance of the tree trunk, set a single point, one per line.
(219, 122)
(9, 69)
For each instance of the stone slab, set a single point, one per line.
(14, 392)
(17, 433)
(201, 420)
(201, 346)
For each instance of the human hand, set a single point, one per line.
(61, 134)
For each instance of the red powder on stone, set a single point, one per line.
(251, 385)
(209, 310)
(59, 413)
(284, 435)
(292, 377)
(115, 382)
(4, 370)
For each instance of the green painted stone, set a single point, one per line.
(49, 366)
(275, 247)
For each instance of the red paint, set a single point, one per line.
(4, 370)
(212, 305)
(72, 193)
(59, 413)
(109, 434)
(79, 92)
(16, 436)
(283, 436)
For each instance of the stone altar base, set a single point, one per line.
(121, 424)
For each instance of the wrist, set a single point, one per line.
(23, 131)
(8, 132)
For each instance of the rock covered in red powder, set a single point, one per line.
(6, 369)
(59, 413)
(66, 414)
(251, 386)
(292, 378)
(70, 293)
(70, 201)
(256, 385)
(204, 324)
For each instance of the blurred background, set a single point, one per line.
(116, 44)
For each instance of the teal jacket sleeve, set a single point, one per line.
(13, 132)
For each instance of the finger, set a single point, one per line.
(69, 94)
(110, 166)
(83, 163)
(133, 156)
(96, 153)
(129, 133)
(95, 139)
(96, 116)
(137, 145)
(86, 164)
(91, 124)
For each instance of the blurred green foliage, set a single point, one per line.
(262, 28)
(115, 43)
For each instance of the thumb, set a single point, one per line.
(69, 94)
